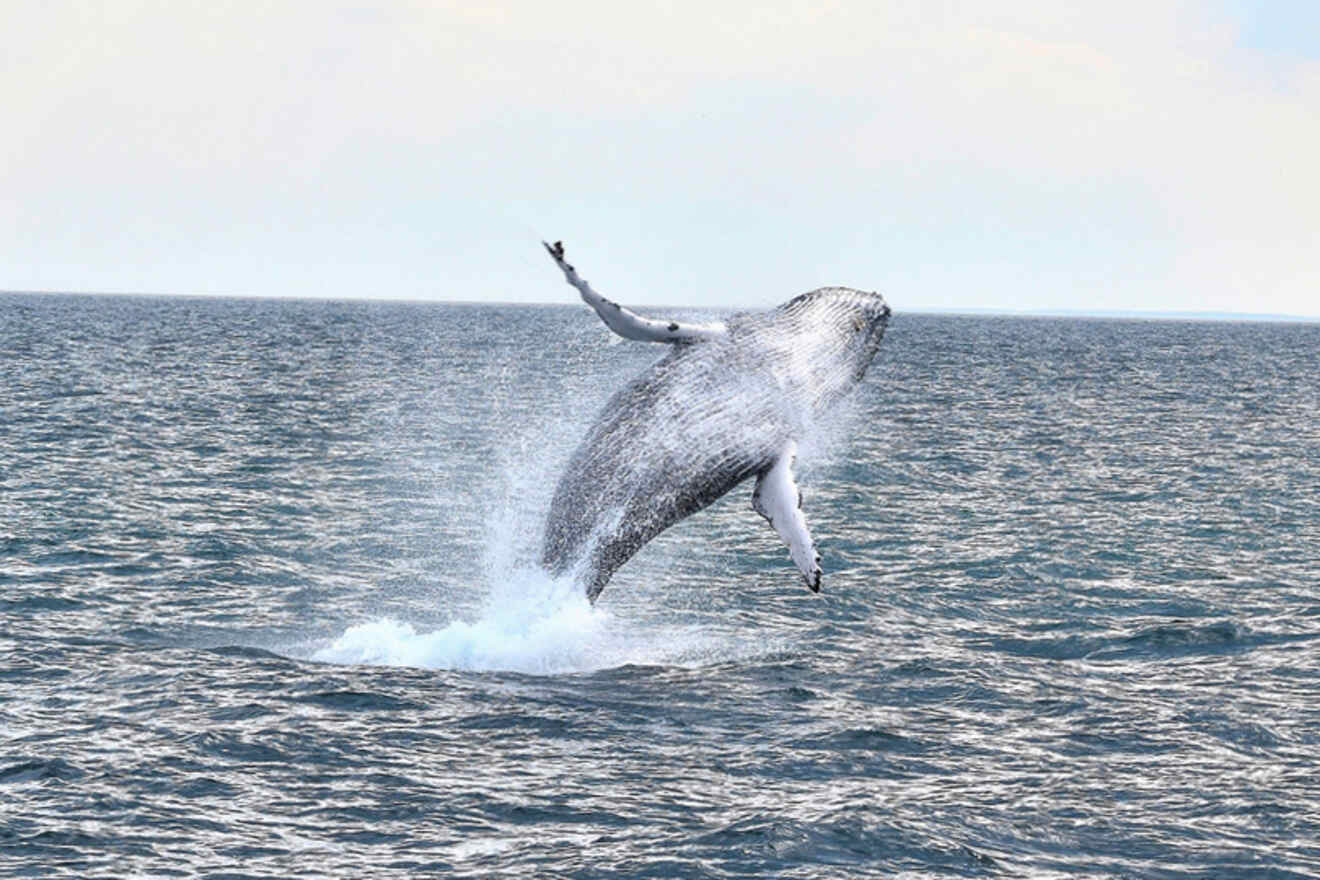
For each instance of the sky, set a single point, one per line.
(1020, 155)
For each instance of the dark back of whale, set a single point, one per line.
(670, 443)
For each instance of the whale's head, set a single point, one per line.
(839, 328)
(818, 345)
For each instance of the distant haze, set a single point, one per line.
(1116, 156)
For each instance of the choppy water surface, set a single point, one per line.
(266, 607)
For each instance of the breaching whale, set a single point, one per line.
(731, 400)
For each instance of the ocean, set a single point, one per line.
(268, 606)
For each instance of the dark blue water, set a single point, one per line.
(266, 607)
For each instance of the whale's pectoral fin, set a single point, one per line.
(627, 323)
(778, 499)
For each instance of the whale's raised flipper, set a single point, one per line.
(778, 499)
(629, 324)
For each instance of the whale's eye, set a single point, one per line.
(858, 325)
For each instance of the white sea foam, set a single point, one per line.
(549, 628)
(538, 625)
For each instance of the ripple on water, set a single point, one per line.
(257, 616)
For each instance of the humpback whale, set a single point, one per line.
(731, 400)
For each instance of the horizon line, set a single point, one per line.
(969, 311)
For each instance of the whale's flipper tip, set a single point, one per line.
(778, 499)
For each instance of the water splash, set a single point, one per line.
(538, 625)
(547, 629)
(531, 622)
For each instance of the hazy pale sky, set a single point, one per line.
(1025, 154)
